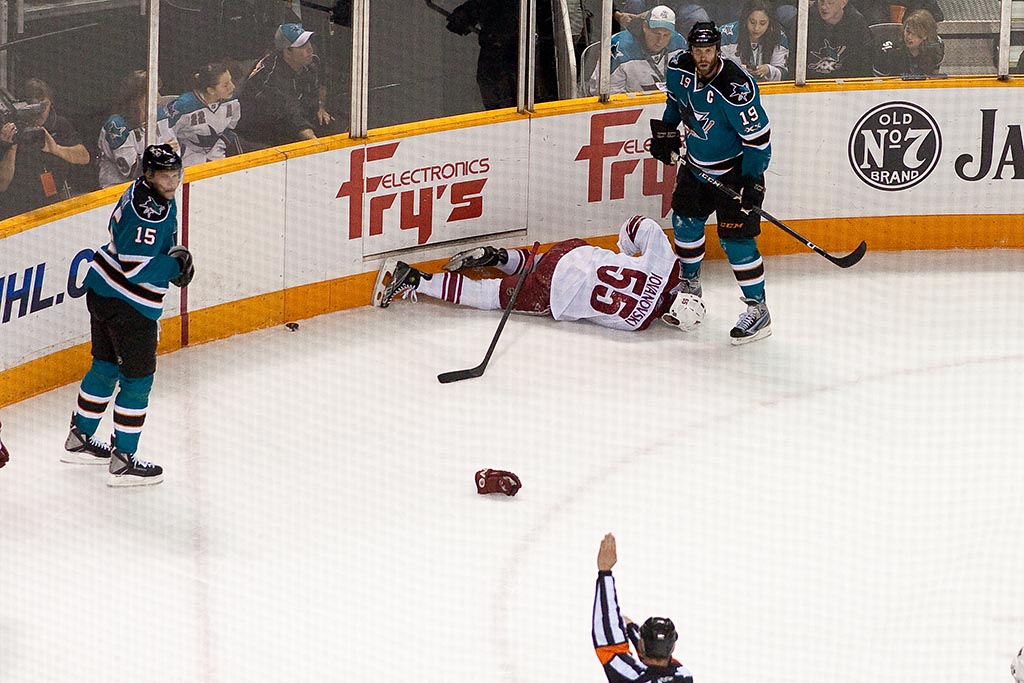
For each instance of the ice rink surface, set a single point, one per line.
(843, 502)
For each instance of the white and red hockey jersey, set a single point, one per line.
(623, 291)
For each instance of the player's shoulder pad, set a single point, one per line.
(147, 204)
(682, 60)
(735, 85)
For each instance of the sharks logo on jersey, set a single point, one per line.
(150, 209)
(740, 92)
(827, 59)
(699, 125)
(116, 129)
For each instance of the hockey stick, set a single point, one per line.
(437, 8)
(842, 261)
(458, 375)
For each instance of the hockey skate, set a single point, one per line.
(395, 278)
(690, 286)
(128, 470)
(481, 257)
(754, 323)
(84, 450)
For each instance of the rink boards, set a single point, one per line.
(298, 231)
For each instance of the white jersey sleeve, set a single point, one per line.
(623, 291)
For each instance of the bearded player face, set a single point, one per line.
(706, 58)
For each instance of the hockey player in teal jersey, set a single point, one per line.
(727, 135)
(127, 280)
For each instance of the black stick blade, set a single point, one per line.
(850, 259)
(459, 375)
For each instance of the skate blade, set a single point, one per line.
(128, 480)
(763, 333)
(387, 270)
(83, 459)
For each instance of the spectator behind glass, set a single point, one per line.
(918, 54)
(34, 164)
(284, 99)
(757, 43)
(123, 137)
(630, 13)
(497, 65)
(203, 119)
(839, 42)
(639, 63)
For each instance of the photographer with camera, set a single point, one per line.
(37, 149)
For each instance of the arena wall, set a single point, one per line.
(295, 232)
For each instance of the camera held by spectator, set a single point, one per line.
(23, 115)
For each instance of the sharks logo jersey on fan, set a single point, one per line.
(723, 118)
(121, 147)
(201, 128)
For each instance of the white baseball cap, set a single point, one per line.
(662, 17)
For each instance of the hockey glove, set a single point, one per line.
(461, 21)
(497, 481)
(666, 144)
(184, 258)
(751, 194)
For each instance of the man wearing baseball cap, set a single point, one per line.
(283, 99)
(639, 59)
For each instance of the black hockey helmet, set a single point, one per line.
(160, 158)
(659, 637)
(704, 34)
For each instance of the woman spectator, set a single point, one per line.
(204, 120)
(123, 137)
(757, 43)
(918, 54)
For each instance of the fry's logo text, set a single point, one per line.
(426, 185)
(657, 180)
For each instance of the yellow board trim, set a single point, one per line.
(837, 236)
(264, 157)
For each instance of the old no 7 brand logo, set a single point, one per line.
(895, 146)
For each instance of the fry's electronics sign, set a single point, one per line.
(408, 203)
(613, 139)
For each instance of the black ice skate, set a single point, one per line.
(481, 257)
(396, 278)
(84, 450)
(128, 470)
(755, 323)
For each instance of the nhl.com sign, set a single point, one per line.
(895, 146)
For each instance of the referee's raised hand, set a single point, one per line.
(606, 557)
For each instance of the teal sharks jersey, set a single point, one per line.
(134, 265)
(724, 121)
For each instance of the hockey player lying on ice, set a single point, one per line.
(572, 281)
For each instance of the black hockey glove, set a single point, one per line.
(184, 259)
(461, 21)
(666, 145)
(751, 193)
